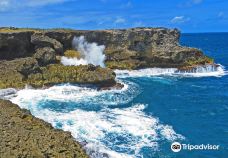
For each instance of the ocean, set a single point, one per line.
(155, 108)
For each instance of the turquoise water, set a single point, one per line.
(155, 108)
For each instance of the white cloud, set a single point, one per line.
(179, 19)
(15, 4)
(4, 5)
(119, 20)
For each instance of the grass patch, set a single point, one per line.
(72, 54)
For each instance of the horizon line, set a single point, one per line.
(13, 27)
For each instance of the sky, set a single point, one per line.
(186, 15)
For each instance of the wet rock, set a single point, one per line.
(117, 86)
(4, 93)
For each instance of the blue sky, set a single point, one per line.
(187, 15)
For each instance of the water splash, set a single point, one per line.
(91, 53)
(102, 129)
(200, 71)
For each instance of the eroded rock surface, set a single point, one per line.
(124, 49)
(23, 135)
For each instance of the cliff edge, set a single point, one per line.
(124, 48)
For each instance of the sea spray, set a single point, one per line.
(91, 53)
(199, 71)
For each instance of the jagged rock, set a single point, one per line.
(15, 45)
(40, 40)
(132, 48)
(135, 48)
(20, 72)
(13, 73)
(45, 56)
(83, 74)
(25, 66)
(23, 135)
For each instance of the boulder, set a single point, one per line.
(45, 56)
(40, 41)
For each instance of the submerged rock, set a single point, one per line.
(23, 135)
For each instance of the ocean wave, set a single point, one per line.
(80, 94)
(104, 131)
(113, 132)
(201, 71)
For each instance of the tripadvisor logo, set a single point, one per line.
(177, 147)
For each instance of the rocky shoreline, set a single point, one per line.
(23, 135)
(31, 57)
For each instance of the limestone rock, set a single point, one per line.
(40, 40)
(45, 56)
(145, 47)
(15, 45)
(13, 73)
(83, 74)
(23, 135)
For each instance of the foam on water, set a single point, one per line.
(80, 94)
(116, 132)
(201, 71)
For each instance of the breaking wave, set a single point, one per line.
(200, 71)
(106, 131)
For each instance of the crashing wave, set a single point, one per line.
(199, 71)
(102, 129)
(7, 93)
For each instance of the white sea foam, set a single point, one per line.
(73, 61)
(7, 93)
(201, 71)
(91, 53)
(117, 132)
(74, 93)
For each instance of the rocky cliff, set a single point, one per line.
(26, 53)
(127, 48)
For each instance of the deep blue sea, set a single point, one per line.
(155, 108)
